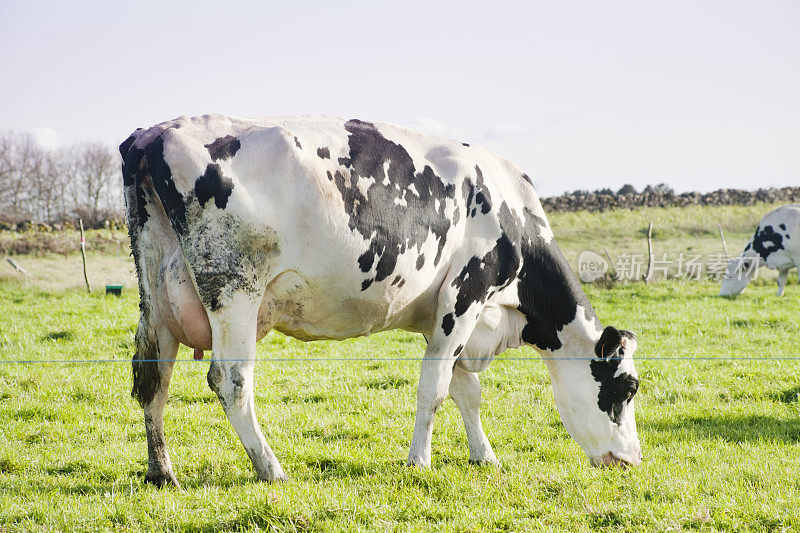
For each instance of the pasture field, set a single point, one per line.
(718, 413)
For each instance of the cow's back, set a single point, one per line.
(777, 237)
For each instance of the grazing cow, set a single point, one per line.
(771, 246)
(323, 228)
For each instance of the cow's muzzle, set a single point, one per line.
(610, 460)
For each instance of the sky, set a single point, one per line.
(580, 94)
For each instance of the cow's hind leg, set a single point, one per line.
(152, 371)
(465, 389)
(230, 376)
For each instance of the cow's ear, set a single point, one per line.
(609, 341)
(629, 342)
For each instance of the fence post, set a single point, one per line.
(83, 255)
(610, 262)
(722, 237)
(649, 253)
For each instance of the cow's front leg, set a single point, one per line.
(783, 276)
(230, 376)
(446, 343)
(465, 389)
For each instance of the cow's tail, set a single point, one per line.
(146, 376)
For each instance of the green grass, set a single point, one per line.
(689, 231)
(721, 436)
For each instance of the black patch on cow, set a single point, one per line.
(391, 229)
(766, 241)
(141, 203)
(747, 247)
(615, 390)
(131, 159)
(528, 179)
(297, 143)
(366, 260)
(482, 196)
(484, 203)
(420, 262)
(161, 175)
(549, 292)
(224, 147)
(494, 270)
(402, 282)
(366, 283)
(467, 191)
(782, 226)
(479, 193)
(132, 174)
(396, 279)
(458, 350)
(464, 144)
(213, 184)
(124, 148)
(447, 323)
(324, 152)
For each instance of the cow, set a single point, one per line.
(771, 246)
(324, 228)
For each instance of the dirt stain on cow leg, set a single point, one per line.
(146, 376)
(214, 378)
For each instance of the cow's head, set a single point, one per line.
(595, 398)
(740, 271)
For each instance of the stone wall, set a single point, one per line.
(663, 196)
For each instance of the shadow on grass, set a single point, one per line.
(63, 335)
(264, 516)
(787, 396)
(333, 468)
(190, 398)
(750, 428)
(387, 382)
(316, 397)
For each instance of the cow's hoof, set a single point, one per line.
(418, 463)
(273, 479)
(162, 480)
(278, 476)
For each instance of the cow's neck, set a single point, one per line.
(560, 321)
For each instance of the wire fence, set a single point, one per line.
(391, 359)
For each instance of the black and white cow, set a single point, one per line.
(323, 228)
(771, 246)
